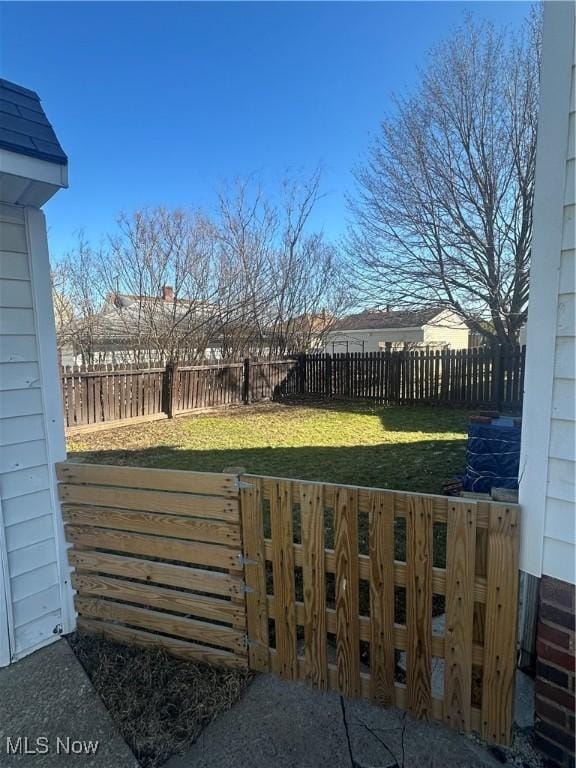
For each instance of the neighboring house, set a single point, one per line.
(548, 456)
(132, 329)
(129, 327)
(35, 593)
(374, 331)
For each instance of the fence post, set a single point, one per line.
(328, 375)
(302, 374)
(171, 391)
(497, 377)
(246, 381)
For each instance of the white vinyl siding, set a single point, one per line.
(548, 468)
(559, 532)
(448, 329)
(28, 545)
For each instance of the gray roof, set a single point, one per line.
(24, 128)
(379, 320)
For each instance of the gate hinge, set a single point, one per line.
(241, 484)
(246, 590)
(245, 560)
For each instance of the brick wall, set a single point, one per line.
(555, 654)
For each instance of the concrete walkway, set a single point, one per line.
(47, 696)
(289, 725)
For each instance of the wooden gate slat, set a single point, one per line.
(381, 548)
(347, 589)
(283, 576)
(314, 581)
(460, 570)
(419, 606)
(500, 641)
(255, 575)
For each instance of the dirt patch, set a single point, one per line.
(158, 703)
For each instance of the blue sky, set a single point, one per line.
(158, 103)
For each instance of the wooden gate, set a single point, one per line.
(343, 584)
(405, 599)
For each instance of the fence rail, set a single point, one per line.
(337, 585)
(474, 378)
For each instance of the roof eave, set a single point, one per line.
(26, 180)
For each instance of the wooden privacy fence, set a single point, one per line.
(473, 377)
(401, 598)
(94, 396)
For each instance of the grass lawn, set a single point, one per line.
(397, 447)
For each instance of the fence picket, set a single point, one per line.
(381, 543)
(314, 584)
(500, 642)
(347, 597)
(419, 606)
(460, 570)
(283, 577)
(255, 575)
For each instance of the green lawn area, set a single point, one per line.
(398, 447)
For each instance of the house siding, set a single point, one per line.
(28, 529)
(548, 466)
(369, 340)
(559, 532)
(452, 333)
(446, 329)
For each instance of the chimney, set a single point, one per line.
(387, 307)
(167, 293)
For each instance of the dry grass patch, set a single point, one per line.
(159, 703)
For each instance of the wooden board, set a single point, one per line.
(381, 544)
(176, 601)
(205, 483)
(347, 598)
(314, 584)
(419, 607)
(212, 507)
(401, 498)
(181, 648)
(283, 578)
(501, 609)
(460, 563)
(212, 582)
(152, 546)
(179, 626)
(214, 532)
(255, 577)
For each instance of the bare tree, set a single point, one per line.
(292, 279)
(77, 300)
(251, 280)
(442, 214)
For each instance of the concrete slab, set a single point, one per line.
(48, 697)
(290, 725)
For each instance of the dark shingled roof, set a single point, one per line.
(24, 128)
(380, 320)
